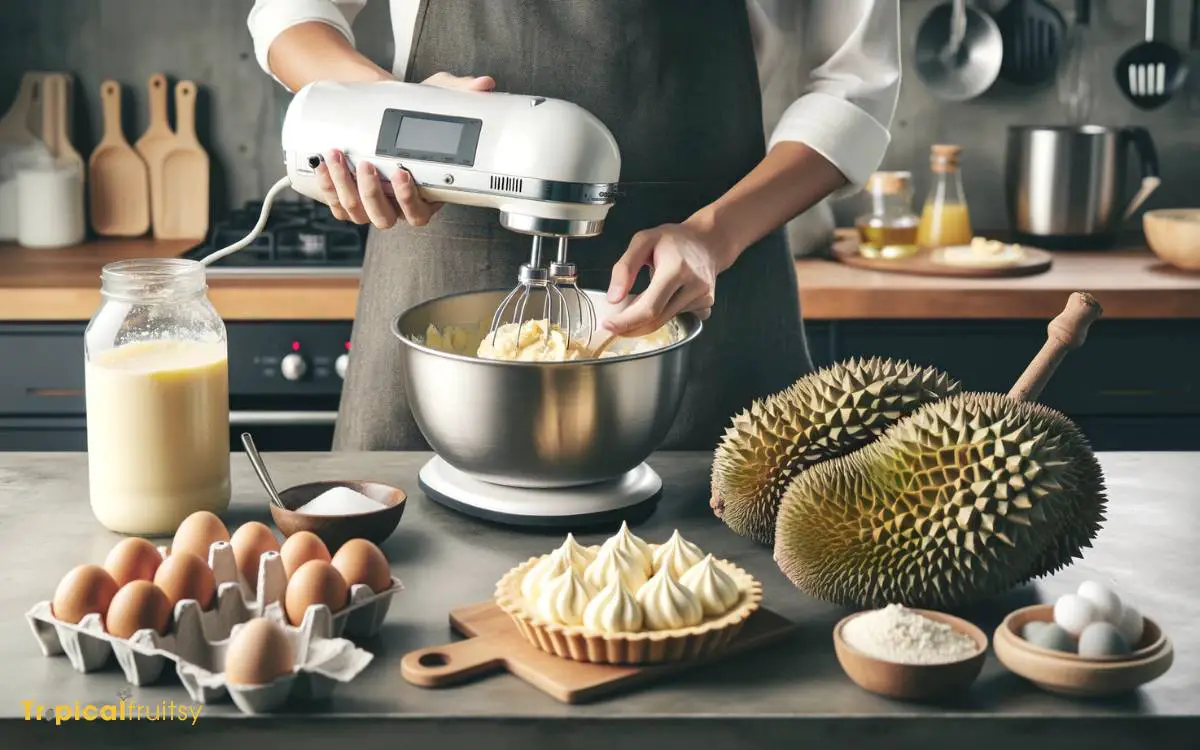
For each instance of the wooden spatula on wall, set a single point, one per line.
(185, 175)
(154, 144)
(118, 186)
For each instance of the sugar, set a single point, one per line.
(339, 501)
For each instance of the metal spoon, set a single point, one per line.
(260, 469)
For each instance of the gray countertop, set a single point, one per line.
(1149, 550)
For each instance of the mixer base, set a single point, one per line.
(631, 498)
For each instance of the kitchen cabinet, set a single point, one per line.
(1132, 386)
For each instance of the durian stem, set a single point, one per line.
(1066, 332)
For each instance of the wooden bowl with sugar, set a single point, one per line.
(335, 530)
(914, 682)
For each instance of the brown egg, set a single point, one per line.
(316, 582)
(249, 542)
(185, 576)
(139, 605)
(300, 548)
(197, 533)
(259, 654)
(85, 590)
(359, 561)
(133, 559)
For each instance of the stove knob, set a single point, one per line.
(293, 367)
(340, 364)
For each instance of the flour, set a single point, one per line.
(902, 636)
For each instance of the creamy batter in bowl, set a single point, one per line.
(537, 424)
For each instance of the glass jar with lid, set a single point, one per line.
(889, 230)
(157, 392)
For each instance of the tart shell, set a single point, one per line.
(646, 647)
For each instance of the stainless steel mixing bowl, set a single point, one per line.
(534, 424)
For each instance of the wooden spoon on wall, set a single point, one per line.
(184, 174)
(155, 143)
(119, 188)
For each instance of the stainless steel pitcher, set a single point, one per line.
(1065, 185)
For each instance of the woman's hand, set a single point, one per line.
(359, 196)
(684, 261)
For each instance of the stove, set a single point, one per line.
(300, 239)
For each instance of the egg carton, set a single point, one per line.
(322, 661)
(195, 634)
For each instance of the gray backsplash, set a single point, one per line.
(207, 42)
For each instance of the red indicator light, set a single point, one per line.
(347, 346)
(295, 346)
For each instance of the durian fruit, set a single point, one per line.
(825, 414)
(966, 498)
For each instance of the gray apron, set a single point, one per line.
(677, 84)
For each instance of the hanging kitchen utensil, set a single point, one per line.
(1194, 49)
(1033, 34)
(56, 131)
(118, 188)
(154, 144)
(1074, 81)
(958, 51)
(184, 175)
(15, 125)
(1151, 73)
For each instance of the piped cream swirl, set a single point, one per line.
(632, 545)
(578, 555)
(677, 555)
(615, 563)
(614, 610)
(550, 566)
(667, 605)
(715, 589)
(563, 599)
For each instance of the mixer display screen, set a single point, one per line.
(428, 137)
(432, 136)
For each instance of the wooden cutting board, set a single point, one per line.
(184, 175)
(155, 143)
(493, 645)
(118, 186)
(924, 263)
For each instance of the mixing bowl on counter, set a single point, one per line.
(538, 424)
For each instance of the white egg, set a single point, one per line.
(1073, 613)
(1131, 625)
(1107, 603)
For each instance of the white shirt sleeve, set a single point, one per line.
(846, 56)
(270, 18)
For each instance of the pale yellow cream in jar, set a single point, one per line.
(158, 433)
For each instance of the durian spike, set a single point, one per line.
(1066, 332)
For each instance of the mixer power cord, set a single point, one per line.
(268, 201)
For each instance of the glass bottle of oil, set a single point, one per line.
(889, 230)
(945, 220)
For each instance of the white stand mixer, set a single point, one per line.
(551, 170)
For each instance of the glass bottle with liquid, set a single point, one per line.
(889, 230)
(945, 220)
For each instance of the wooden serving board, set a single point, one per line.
(845, 250)
(494, 644)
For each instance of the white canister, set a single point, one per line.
(50, 207)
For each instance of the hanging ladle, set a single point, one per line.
(260, 469)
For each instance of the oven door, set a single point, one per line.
(283, 430)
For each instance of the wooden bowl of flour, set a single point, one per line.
(914, 682)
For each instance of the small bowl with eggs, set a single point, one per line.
(338, 511)
(1080, 647)
(538, 424)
